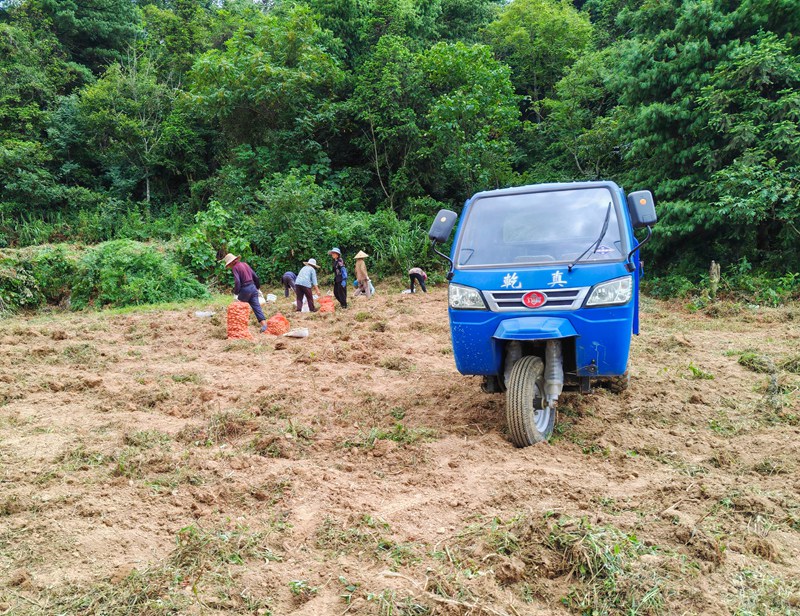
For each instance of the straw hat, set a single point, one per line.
(361, 255)
(229, 258)
(336, 250)
(312, 263)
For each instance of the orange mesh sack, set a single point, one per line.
(326, 304)
(238, 318)
(277, 325)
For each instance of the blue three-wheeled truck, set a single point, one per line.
(544, 290)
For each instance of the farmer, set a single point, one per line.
(419, 275)
(244, 287)
(339, 276)
(361, 275)
(288, 282)
(306, 281)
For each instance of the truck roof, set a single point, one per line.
(515, 190)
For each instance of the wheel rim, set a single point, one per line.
(541, 416)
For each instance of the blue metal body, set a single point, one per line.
(601, 335)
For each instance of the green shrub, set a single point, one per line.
(19, 289)
(669, 287)
(54, 271)
(124, 272)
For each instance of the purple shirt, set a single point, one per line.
(242, 275)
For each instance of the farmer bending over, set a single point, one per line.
(288, 282)
(244, 287)
(418, 274)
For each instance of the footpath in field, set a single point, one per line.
(150, 466)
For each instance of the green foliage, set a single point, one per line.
(671, 286)
(123, 272)
(539, 39)
(270, 87)
(124, 114)
(470, 121)
(274, 129)
(31, 279)
(95, 33)
(604, 560)
(19, 288)
(54, 271)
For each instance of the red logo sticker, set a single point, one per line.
(534, 299)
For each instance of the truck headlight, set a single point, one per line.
(465, 298)
(612, 293)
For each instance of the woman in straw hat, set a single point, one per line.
(245, 286)
(361, 274)
(304, 283)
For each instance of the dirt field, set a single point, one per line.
(150, 466)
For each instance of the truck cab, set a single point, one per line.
(544, 291)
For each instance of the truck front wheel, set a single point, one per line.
(528, 422)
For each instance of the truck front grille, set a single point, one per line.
(556, 299)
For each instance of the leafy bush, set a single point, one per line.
(54, 271)
(669, 287)
(295, 222)
(214, 232)
(739, 283)
(18, 287)
(124, 272)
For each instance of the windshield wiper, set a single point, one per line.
(596, 243)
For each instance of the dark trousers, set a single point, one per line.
(420, 279)
(288, 283)
(340, 292)
(302, 292)
(249, 294)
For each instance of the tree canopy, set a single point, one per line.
(129, 120)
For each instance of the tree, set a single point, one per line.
(463, 20)
(539, 40)
(271, 89)
(33, 74)
(753, 152)
(94, 32)
(175, 36)
(124, 115)
(389, 101)
(581, 128)
(470, 122)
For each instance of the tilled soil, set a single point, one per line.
(150, 466)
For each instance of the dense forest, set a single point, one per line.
(275, 128)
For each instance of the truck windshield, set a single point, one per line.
(539, 228)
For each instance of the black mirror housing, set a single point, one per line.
(442, 226)
(642, 209)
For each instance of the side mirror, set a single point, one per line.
(442, 226)
(642, 209)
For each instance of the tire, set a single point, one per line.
(528, 424)
(621, 383)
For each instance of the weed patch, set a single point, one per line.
(698, 373)
(222, 427)
(759, 592)
(399, 433)
(364, 534)
(401, 364)
(791, 364)
(200, 563)
(756, 363)
(604, 561)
